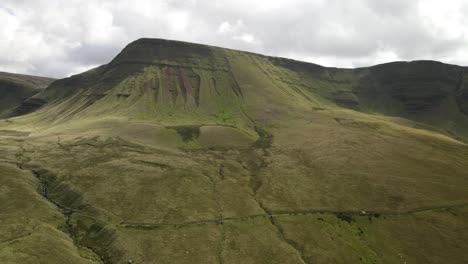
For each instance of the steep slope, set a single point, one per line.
(15, 88)
(428, 92)
(177, 81)
(183, 153)
(149, 78)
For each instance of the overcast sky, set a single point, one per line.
(58, 38)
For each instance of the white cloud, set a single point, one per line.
(56, 38)
(444, 19)
(226, 27)
(249, 38)
(236, 31)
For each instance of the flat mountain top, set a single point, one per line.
(184, 153)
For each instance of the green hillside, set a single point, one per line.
(183, 153)
(15, 88)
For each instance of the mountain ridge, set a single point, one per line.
(161, 40)
(173, 75)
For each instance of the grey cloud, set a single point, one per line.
(92, 54)
(394, 8)
(57, 38)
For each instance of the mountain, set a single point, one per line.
(157, 79)
(176, 152)
(15, 88)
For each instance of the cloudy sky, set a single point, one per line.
(62, 37)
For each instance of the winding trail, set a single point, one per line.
(289, 213)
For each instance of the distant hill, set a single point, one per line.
(15, 88)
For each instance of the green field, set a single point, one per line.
(183, 153)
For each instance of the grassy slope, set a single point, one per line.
(133, 172)
(15, 88)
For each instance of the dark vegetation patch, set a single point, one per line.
(374, 215)
(347, 217)
(171, 84)
(265, 139)
(26, 107)
(153, 164)
(462, 93)
(119, 95)
(318, 109)
(185, 84)
(188, 133)
(195, 82)
(346, 99)
(417, 85)
(58, 192)
(98, 236)
(16, 88)
(82, 221)
(149, 86)
(213, 85)
(356, 123)
(360, 232)
(146, 50)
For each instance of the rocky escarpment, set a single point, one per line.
(149, 73)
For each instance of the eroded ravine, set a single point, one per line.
(46, 179)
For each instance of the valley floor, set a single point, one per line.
(80, 197)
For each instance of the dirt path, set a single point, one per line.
(291, 213)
